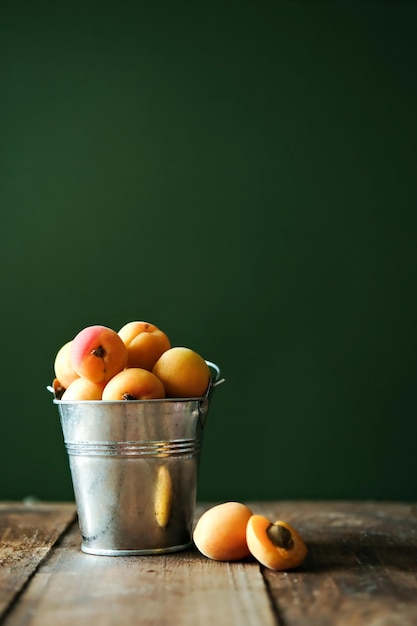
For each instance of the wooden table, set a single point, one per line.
(361, 569)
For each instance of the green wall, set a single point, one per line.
(242, 174)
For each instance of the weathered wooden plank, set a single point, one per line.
(361, 567)
(27, 533)
(183, 589)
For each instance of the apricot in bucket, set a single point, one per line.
(63, 368)
(145, 343)
(183, 372)
(98, 353)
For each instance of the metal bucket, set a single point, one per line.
(134, 467)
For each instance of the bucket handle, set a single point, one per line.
(215, 379)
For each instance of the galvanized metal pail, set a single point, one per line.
(134, 467)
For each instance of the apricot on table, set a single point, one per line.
(134, 383)
(145, 343)
(83, 389)
(184, 373)
(277, 545)
(63, 368)
(220, 533)
(98, 353)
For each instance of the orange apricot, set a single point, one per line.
(220, 533)
(83, 389)
(277, 546)
(63, 368)
(98, 353)
(134, 383)
(145, 343)
(184, 373)
(57, 388)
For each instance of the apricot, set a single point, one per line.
(145, 343)
(83, 389)
(134, 383)
(220, 533)
(57, 388)
(184, 373)
(63, 368)
(98, 353)
(278, 546)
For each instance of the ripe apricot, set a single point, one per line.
(220, 533)
(134, 383)
(145, 343)
(184, 373)
(98, 353)
(57, 388)
(83, 389)
(278, 546)
(63, 368)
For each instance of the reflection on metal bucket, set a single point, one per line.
(134, 467)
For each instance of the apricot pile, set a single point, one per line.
(231, 532)
(136, 363)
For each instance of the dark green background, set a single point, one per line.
(242, 174)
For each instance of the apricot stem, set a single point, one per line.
(128, 396)
(99, 352)
(280, 536)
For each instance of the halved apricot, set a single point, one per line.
(276, 545)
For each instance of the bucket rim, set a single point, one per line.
(215, 380)
(131, 402)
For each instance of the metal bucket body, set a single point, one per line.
(134, 467)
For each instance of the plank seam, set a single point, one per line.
(14, 600)
(273, 604)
